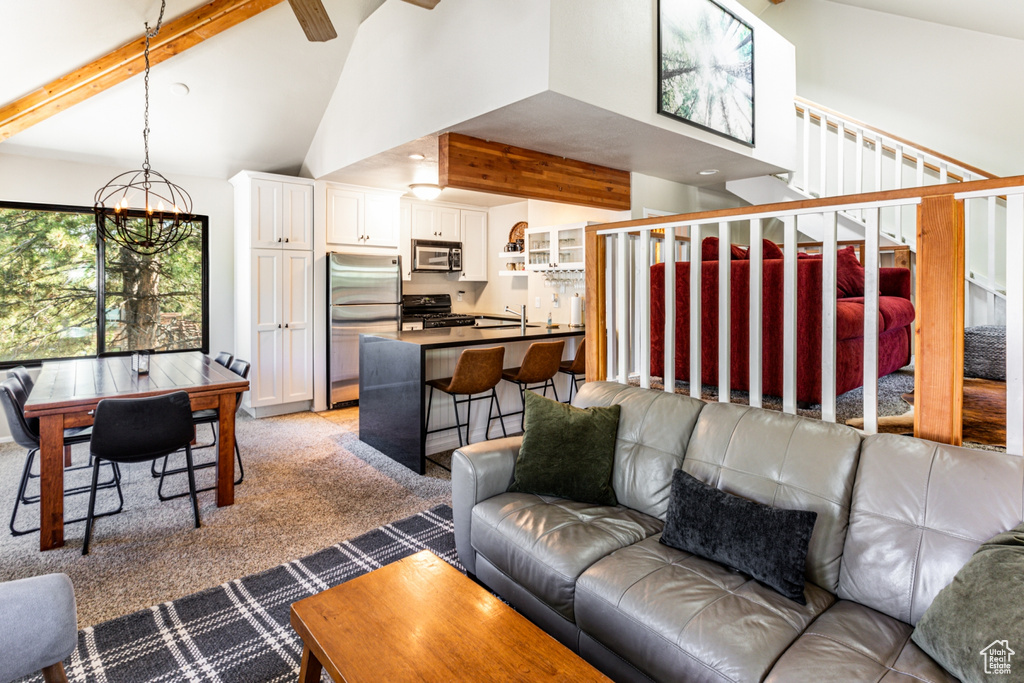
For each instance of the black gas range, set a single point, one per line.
(433, 310)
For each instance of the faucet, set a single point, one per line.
(522, 316)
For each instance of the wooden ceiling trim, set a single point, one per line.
(175, 37)
(473, 164)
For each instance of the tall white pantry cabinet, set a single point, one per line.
(274, 290)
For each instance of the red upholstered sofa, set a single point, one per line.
(896, 315)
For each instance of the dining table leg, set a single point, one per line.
(226, 450)
(51, 481)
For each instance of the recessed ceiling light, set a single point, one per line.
(179, 89)
(708, 171)
(425, 191)
(417, 157)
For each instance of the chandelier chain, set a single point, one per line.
(145, 129)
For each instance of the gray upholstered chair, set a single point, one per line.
(38, 627)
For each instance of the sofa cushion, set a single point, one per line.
(676, 616)
(981, 606)
(709, 250)
(849, 273)
(850, 319)
(783, 461)
(567, 452)
(654, 431)
(545, 543)
(768, 543)
(920, 510)
(895, 311)
(850, 642)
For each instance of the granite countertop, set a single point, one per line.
(447, 337)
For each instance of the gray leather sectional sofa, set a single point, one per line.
(897, 518)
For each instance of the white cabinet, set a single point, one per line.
(281, 214)
(430, 222)
(274, 290)
(555, 248)
(474, 245)
(360, 217)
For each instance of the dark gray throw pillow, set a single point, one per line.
(769, 544)
(974, 627)
(567, 451)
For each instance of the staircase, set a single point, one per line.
(841, 156)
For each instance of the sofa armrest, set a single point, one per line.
(894, 282)
(479, 471)
(38, 624)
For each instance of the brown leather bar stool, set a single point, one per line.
(476, 372)
(575, 367)
(540, 364)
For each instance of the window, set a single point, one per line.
(66, 294)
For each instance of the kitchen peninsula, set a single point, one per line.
(393, 369)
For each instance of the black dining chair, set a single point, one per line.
(138, 429)
(25, 432)
(22, 374)
(224, 358)
(210, 417)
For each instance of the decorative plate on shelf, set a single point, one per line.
(518, 231)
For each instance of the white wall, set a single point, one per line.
(604, 53)
(33, 179)
(950, 89)
(502, 291)
(412, 72)
(658, 194)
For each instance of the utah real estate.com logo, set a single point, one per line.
(997, 657)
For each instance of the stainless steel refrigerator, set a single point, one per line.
(364, 296)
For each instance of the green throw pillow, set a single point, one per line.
(975, 626)
(567, 452)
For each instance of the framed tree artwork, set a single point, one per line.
(706, 68)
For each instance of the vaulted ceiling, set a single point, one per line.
(256, 92)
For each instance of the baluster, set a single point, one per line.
(622, 300)
(898, 184)
(823, 157)
(754, 254)
(878, 162)
(943, 173)
(990, 276)
(840, 160)
(668, 251)
(805, 169)
(643, 286)
(1015, 324)
(828, 317)
(858, 177)
(724, 318)
(789, 295)
(871, 291)
(695, 310)
(609, 305)
(920, 170)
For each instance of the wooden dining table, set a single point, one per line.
(67, 391)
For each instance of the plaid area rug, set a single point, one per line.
(240, 631)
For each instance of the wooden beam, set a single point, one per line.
(314, 20)
(175, 37)
(597, 335)
(939, 323)
(474, 164)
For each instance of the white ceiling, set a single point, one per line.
(257, 90)
(997, 17)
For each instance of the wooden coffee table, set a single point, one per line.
(420, 619)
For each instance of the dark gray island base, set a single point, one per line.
(393, 369)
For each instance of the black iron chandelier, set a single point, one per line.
(165, 216)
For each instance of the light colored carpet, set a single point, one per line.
(309, 483)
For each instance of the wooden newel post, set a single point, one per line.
(597, 337)
(939, 325)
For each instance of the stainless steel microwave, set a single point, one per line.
(430, 256)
